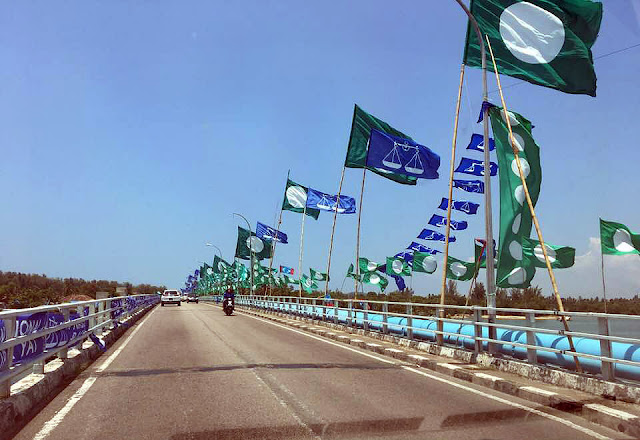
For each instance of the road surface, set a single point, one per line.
(191, 372)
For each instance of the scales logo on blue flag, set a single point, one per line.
(475, 167)
(406, 256)
(438, 220)
(327, 202)
(269, 233)
(472, 186)
(418, 247)
(477, 143)
(430, 234)
(466, 207)
(393, 154)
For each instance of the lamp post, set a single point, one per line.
(250, 249)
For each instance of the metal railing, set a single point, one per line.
(30, 337)
(468, 327)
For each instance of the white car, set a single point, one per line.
(170, 297)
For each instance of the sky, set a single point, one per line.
(130, 132)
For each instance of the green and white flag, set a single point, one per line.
(318, 276)
(247, 242)
(397, 266)
(617, 239)
(290, 280)
(361, 127)
(544, 42)
(513, 270)
(220, 266)
(367, 265)
(424, 262)
(560, 257)
(460, 270)
(376, 279)
(295, 199)
(351, 273)
(308, 284)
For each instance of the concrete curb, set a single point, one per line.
(17, 409)
(597, 413)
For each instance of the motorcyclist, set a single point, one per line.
(229, 293)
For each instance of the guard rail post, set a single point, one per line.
(385, 318)
(477, 330)
(349, 314)
(439, 325)
(336, 303)
(314, 302)
(100, 318)
(410, 321)
(607, 368)
(93, 321)
(10, 328)
(532, 353)
(62, 354)
(365, 316)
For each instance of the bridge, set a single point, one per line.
(303, 368)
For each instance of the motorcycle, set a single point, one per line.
(227, 306)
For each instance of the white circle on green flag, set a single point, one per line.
(551, 253)
(296, 196)
(374, 279)
(532, 34)
(512, 118)
(397, 266)
(515, 249)
(220, 266)
(523, 164)
(307, 282)
(515, 226)
(429, 264)
(622, 241)
(255, 244)
(519, 194)
(518, 141)
(458, 269)
(517, 276)
(371, 266)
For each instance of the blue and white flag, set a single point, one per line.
(438, 220)
(430, 234)
(269, 233)
(393, 154)
(418, 247)
(399, 281)
(472, 186)
(327, 202)
(406, 256)
(466, 207)
(477, 143)
(475, 167)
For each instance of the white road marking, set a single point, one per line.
(567, 423)
(57, 418)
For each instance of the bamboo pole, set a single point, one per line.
(533, 214)
(273, 252)
(304, 214)
(333, 230)
(450, 204)
(604, 289)
(364, 175)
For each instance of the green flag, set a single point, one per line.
(617, 239)
(295, 199)
(459, 270)
(318, 276)
(219, 265)
(290, 280)
(367, 265)
(376, 279)
(351, 273)
(308, 284)
(515, 217)
(424, 262)
(361, 127)
(397, 266)
(544, 42)
(247, 242)
(560, 257)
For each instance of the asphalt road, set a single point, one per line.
(191, 372)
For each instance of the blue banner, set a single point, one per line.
(438, 220)
(466, 207)
(327, 202)
(406, 256)
(430, 234)
(27, 325)
(418, 247)
(269, 233)
(393, 154)
(475, 167)
(472, 186)
(477, 143)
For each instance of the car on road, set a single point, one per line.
(192, 298)
(184, 297)
(170, 297)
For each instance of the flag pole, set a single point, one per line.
(364, 174)
(304, 214)
(448, 226)
(273, 251)
(333, 230)
(604, 289)
(533, 214)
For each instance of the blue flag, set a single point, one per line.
(438, 220)
(406, 256)
(472, 186)
(475, 167)
(399, 281)
(269, 233)
(394, 154)
(477, 143)
(466, 207)
(422, 248)
(327, 202)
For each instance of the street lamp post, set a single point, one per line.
(250, 249)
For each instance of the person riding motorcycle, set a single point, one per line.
(229, 294)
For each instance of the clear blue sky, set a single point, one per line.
(130, 132)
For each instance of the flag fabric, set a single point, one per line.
(352, 274)
(291, 280)
(393, 154)
(459, 270)
(472, 186)
(477, 143)
(308, 284)
(286, 270)
(480, 253)
(326, 202)
(430, 234)
(406, 256)
(463, 206)
(438, 220)
(295, 199)
(318, 276)
(475, 167)
(544, 42)
(617, 239)
(269, 233)
(399, 282)
(248, 242)
(418, 247)
(375, 279)
(424, 262)
(219, 265)
(367, 265)
(560, 257)
(361, 127)
(515, 217)
(397, 266)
